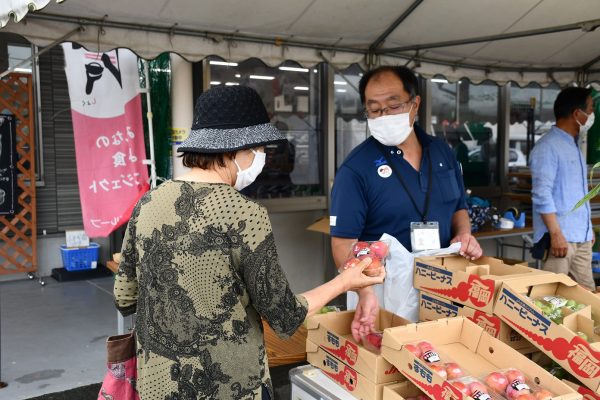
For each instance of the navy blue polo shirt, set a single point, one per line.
(368, 201)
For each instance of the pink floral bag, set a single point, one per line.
(120, 380)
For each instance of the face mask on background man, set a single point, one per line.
(391, 130)
(588, 123)
(245, 177)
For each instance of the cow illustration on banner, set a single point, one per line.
(109, 139)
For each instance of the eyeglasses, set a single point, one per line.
(392, 109)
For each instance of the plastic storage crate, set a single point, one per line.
(77, 259)
(310, 383)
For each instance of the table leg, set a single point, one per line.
(120, 324)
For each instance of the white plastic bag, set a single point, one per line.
(397, 293)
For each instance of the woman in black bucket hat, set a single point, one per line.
(200, 268)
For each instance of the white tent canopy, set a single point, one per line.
(524, 41)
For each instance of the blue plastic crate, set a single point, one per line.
(77, 259)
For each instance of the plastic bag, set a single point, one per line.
(396, 294)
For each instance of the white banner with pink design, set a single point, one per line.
(109, 138)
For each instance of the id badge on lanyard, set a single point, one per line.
(425, 236)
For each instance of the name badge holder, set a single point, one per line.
(425, 236)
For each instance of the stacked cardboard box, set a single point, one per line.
(563, 343)
(330, 347)
(452, 286)
(432, 307)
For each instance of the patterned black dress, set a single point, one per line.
(200, 268)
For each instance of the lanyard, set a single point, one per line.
(401, 180)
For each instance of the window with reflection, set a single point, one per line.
(350, 123)
(531, 116)
(291, 94)
(466, 116)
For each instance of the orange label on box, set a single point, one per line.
(347, 352)
(587, 393)
(489, 324)
(345, 376)
(584, 361)
(479, 292)
(445, 391)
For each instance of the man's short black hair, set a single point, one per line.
(408, 78)
(569, 100)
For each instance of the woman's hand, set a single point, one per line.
(354, 278)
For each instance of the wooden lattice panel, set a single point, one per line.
(18, 233)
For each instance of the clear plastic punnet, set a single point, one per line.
(377, 251)
(513, 384)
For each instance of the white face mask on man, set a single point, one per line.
(245, 177)
(391, 130)
(588, 123)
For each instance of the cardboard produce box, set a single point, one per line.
(560, 342)
(471, 283)
(401, 391)
(432, 307)
(587, 394)
(467, 344)
(348, 378)
(332, 332)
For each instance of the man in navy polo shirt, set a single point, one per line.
(398, 180)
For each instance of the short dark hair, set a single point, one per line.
(206, 160)
(408, 78)
(569, 100)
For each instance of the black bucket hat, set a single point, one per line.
(230, 118)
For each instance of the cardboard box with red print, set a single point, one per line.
(561, 342)
(588, 394)
(348, 378)
(474, 284)
(460, 341)
(332, 332)
(432, 307)
(402, 391)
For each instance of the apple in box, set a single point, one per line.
(377, 251)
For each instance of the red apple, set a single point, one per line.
(425, 346)
(514, 375)
(440, 370)
(525, 397)
(351, 263)
(360, 249)
(373, 269)
(497, 381)
(543, 394)
(512, 392)
(374, 338)
(413, 349)
(454, 370)
(462, 387)
(477, 387)
(380, 249)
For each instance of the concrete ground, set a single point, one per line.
(53, 336)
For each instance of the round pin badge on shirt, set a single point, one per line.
(384, 171)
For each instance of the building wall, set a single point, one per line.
(302, 253)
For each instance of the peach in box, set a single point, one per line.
(468, 345)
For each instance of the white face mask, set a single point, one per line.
(588, 124)
(245, 177)
(391, 130)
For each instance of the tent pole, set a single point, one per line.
(149, 116)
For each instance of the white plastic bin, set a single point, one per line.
(310, 383)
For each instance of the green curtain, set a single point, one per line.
(593, 136)
(159, 72)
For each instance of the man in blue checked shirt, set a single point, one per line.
(559, 181)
